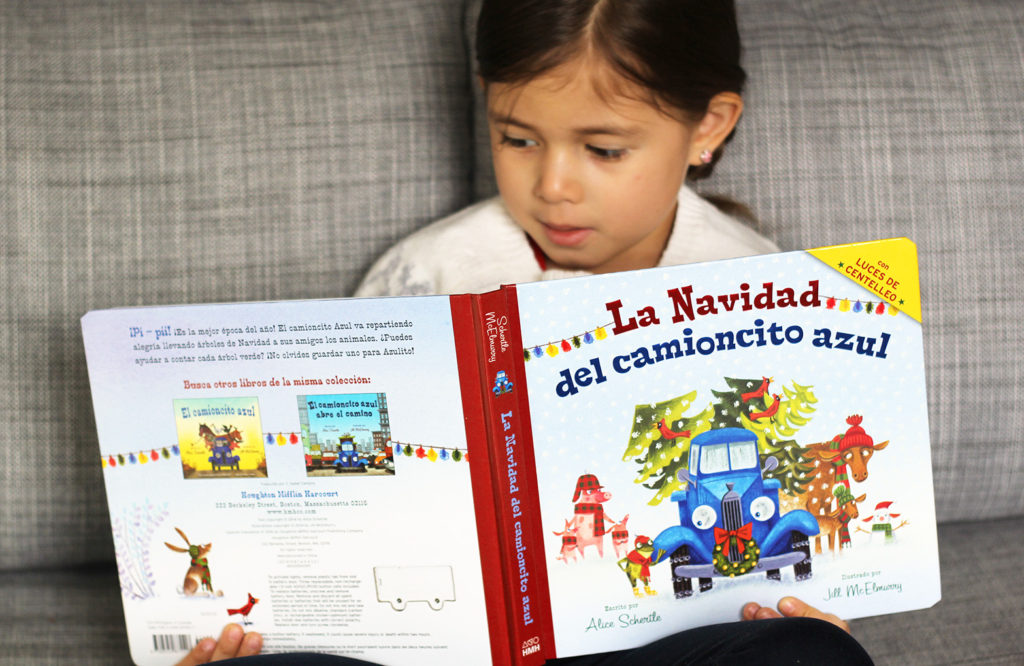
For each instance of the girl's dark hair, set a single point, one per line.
(683, 51)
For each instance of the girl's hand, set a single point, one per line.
(791, 607)
(233, 642)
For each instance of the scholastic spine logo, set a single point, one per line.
(531, 645)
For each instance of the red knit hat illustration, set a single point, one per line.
(586, 482)
(855, 435)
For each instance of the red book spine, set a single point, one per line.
(467, 353)
(529, 495)
(501, 468)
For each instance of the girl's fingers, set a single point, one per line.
(251, 644)
(790, 607)
(228, 643)
(200, 654)
(793, 607)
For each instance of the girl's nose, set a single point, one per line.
(558, 181)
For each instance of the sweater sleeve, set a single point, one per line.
(396, 273)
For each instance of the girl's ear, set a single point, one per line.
(724, 111)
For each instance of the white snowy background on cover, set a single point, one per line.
(587, 433)
(371, 564)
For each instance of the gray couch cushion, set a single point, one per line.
(874, 119)
(163, 152)
(877, 119)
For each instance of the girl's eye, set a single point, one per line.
(516, 142)
(609, 154)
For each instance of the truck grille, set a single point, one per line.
(732, 518)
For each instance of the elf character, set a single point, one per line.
(637, 565)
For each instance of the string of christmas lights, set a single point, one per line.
(165, 453)
(139, 457)
(554, 348)
(280, 440)
(858, 306)
(431, 452)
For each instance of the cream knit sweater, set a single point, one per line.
(481, 248)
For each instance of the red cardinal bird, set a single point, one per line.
(758, 392)
(770, 412)
(244, 610)
(668, 433)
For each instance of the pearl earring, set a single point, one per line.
(705, 156)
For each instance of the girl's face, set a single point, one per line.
(591, 178)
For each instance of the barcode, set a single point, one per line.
(172, 642)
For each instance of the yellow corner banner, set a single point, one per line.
(886, 268)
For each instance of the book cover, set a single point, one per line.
(726, 432)
(551, 469)
(298, 467)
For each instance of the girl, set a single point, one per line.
(598, 112)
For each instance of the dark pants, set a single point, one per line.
(779, 641)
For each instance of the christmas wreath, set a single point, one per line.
(746, 545)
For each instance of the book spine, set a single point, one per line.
(481, 464)
(529, 494)
(502, 482)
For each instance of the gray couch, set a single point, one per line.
(189, 150)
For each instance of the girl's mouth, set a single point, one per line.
(566, 236)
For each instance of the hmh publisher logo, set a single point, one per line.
(531, 645)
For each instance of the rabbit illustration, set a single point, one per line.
(198, 575)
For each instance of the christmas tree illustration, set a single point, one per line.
(660, 437)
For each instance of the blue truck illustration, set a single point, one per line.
(729, 518)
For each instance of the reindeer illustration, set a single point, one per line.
(838, 521)
(838, 461)
(198, 575)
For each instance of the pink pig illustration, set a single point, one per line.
(590, 518)
(569, 544)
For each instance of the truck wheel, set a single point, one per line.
(705, 584)
(774, 574)
(799, 542)
(682, 586)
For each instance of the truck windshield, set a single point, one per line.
(714, 458)
(743, 455)
(726, 456)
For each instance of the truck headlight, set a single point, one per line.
(762, 508)
(704, 517)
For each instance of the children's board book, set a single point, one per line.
(550, 469)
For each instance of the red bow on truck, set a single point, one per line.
(742, 535)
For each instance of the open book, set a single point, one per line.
(550, 469)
